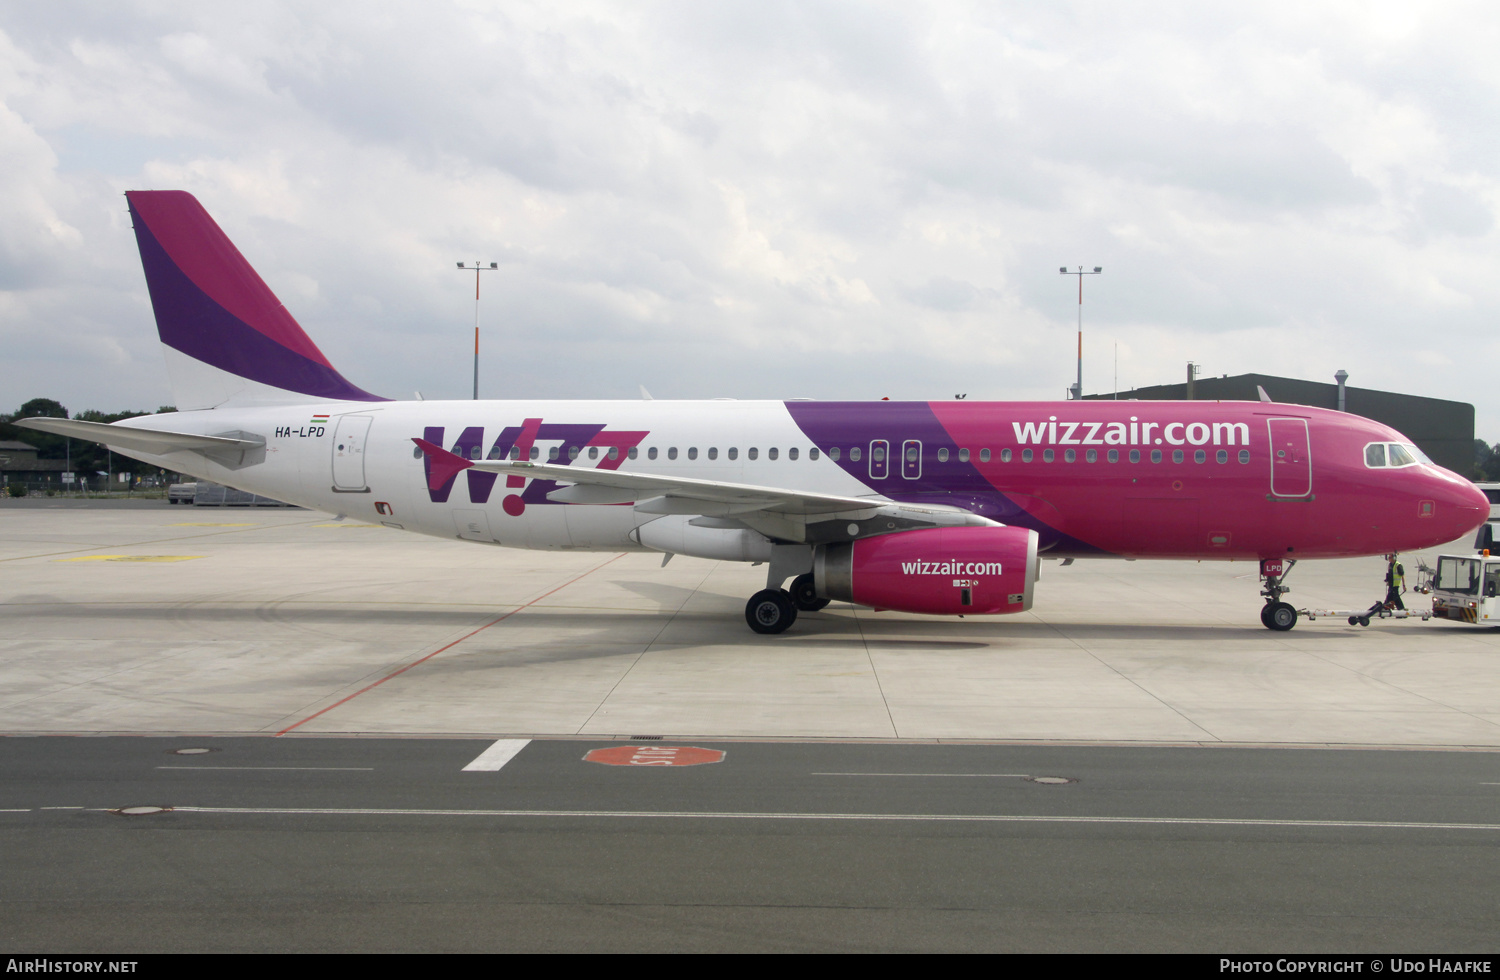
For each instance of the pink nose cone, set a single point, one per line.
(1461, 507)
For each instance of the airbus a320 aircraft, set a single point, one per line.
(923, 507)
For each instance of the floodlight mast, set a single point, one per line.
(1075, 393)
(478, 268)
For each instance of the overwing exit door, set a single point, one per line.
(349, 453)
(1291, 458)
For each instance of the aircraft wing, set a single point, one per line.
(151, 441)
(653, 493)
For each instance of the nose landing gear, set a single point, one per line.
(1275, 614)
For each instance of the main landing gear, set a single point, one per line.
(805, 594)
(774, 610)
(770, 611)
(1275, 614)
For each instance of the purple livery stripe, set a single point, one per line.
(213, 307)
(957, 484)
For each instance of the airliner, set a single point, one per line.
(933, 507)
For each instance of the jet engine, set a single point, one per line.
(942, 570)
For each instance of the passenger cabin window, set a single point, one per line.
(752, 452)
(633, 452)
(553, 453)
(854, 454)
(1135, 455)
(1005, 455)
(672, 452)
(1069, 456)
(984, 455)
(734, 453)
(1177, 455)
(834, 453)
(1025, 455)
(593, 452)
(772, 453)
(1114, 456)
(614, 452)
(813, 453)
(692, 452)
(572, 453)
(651, 453)
(515, 452)
(942, 455)
(963, 455)
(713, 452)
(1048, 455)
(536, 451)
(791, 453)
(1222, 455)
(1091, 455)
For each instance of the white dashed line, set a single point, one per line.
(497, 755)
(854, 817)
(945, 775)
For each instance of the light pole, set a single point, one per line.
(477, 270)
(1076, 392)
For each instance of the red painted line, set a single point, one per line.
(414, 663)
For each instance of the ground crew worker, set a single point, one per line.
(1395, 583)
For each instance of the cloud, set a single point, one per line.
(768, 199)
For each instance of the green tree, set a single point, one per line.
(48, 446)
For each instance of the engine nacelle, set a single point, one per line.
(943, 570)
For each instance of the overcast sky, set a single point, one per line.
(834, 200)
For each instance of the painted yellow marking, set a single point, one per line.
(212, 524)
(132, 558)
(344, 525)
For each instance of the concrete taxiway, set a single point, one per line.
(150, 618)
(887, 782)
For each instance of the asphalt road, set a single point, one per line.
(375, 844)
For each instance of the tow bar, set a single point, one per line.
(1362, 617)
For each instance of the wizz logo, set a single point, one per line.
(561, 444)
(1133, 433)
(951, 568)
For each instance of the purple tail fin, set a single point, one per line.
(213, 309)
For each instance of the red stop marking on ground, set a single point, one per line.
(655, 755)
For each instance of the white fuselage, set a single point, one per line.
(324, 456)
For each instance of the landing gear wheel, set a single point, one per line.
(805, 594)
(1364, 620)
(1265, 616)
(1281, 616)
(1353, 620)
(770, 611)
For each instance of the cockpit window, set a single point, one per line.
(1400, 456)
(1378, 454)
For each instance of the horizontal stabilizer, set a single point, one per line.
(130, 439)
